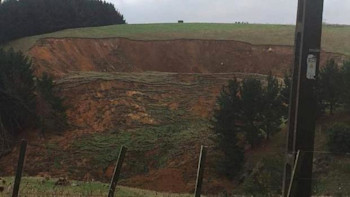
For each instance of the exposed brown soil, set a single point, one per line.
(132, 97)
(99, 102)
(60, 56)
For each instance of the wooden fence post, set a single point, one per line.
(19, 171)
(200, 171)
(117, 170)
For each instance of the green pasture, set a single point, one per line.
(335, 38)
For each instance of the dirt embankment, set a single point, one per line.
(60, 56)
(162, 117)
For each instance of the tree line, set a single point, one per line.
(250, 111)
(26, 102)
(21, 18)
(334, 87)
(247, 113)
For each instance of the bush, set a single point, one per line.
(225, 126)
(25, 102)
(51, 110)
(265, 178)
(339, 138)
(247, 113)
(17, 98)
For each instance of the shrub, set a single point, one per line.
(226, 129)
(51, 110)
(24, 101)
(339, 138)
(17, 98)
(247, 112)
(265, 178)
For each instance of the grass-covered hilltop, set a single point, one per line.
(163, 90)
(335, 38)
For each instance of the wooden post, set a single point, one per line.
(290, 157)
(117, 170)
(20, 165)
(303, 102)
(200, 171)
(295, 172)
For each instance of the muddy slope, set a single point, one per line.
(159, 116)
(60, 56)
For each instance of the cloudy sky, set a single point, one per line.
(225, 11)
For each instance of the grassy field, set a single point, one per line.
(34, 186)
(335, 38)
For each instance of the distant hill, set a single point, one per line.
(335, 38)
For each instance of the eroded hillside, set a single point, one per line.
(161, 117)
(60, 56)
(155, 97)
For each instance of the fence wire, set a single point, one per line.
(326, 180)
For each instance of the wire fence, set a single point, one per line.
(331, 175)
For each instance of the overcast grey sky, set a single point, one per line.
(224, 11)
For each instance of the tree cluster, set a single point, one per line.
(248, 112)
(333, 87)
(20, 18)
(20, 106)
(339, 138)
(330, 87)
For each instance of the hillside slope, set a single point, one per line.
(61, 56)
(334, 38)
(153, 92)
(162, 118)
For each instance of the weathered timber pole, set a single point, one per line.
(200, 171)
(303, 101)
(117, 171)
(22, 154)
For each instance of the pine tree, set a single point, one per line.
(274, 108)
(226, 127)
(17, 98)
(18, 101)
(330, 84)
(23, 18)
(285, 93)
(249, 110)
(345, 95)
(251, 114)
(52, 112)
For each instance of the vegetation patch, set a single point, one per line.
(32, 187)
(148, 147)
